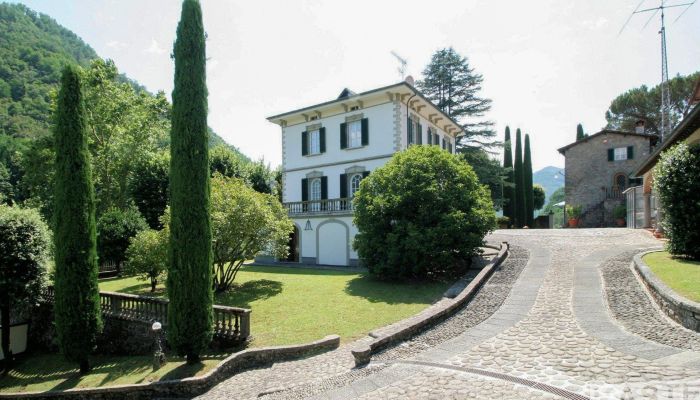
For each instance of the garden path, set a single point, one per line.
(545, 332)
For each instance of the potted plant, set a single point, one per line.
(574, 213)
(503, 222)
(619, 213)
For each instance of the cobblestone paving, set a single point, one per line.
(543, 344)
(632, 307)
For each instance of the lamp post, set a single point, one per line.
(158, 355)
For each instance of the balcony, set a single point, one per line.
(320, 207)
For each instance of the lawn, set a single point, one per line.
(683, 276)
(295, 305)
(290, 305)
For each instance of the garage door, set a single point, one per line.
(332, 244)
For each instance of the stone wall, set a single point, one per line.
(589, 173)
(678, 308)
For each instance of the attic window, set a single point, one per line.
(354, 108)
(313, 118)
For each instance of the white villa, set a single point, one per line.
(328, 148)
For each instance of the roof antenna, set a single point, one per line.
(402, 66)
(665, 90)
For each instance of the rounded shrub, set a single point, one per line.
(147, 256)
(423, 215)
(677, 184)
(115, 229)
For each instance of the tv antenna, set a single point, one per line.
(665, 90)
(402, 66)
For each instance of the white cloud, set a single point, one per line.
(115, 44)
(155, 48)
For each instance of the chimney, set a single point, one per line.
(639, 126)
(409, 80)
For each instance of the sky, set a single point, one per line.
(547, 65)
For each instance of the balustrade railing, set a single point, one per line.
(230, 323)
(325, 206)
(614, 192)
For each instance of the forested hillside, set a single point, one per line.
(129, 127)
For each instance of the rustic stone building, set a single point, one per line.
(599, 168)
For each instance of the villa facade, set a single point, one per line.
(328, 148)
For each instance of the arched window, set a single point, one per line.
(315, 189)
(620, 181)
(355, 184)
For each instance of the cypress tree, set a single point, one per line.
(189, 280)
(508, 188)
(77, 305)
(579, 132)
(519, 182)
(527, 185)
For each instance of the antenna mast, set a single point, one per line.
(402, 66)
(665, 89)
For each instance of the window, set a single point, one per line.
(411, 134)
(354, 134)
(620, 153)
(315, 194)
(354, 108)
(355, 184)
(315, 142)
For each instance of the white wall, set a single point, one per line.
(333, 234)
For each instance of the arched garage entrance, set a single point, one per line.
(332, 241)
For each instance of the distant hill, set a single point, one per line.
(551, 179)
(33, 50)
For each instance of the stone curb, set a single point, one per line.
(684, 311)
(190, 387)
(413, 325)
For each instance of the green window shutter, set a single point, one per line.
(324, 187)
(611, 154)
(365, 174)
(419, 136)
(322, 139)
(630, 152)
(436, 140)
(443, 143)
(409, 131)
(365, 131)
(343, 186)
(304, 143)
(304, 189)
(343, 135)
(430, 136)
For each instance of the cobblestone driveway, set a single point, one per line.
(552, 337)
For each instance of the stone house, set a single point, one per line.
(642, 206)
(599, 168)
(328, 148)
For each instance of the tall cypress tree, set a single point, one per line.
(519, 182)
(508, 187)
(77, 305)
(579, 132)
(190, 275)
(527, 185)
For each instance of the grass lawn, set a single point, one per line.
(38, 373)
(294, 305)
(683, 276)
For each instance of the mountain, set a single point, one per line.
(551, 179)
(33, 50)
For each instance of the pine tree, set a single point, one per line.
(508, 187)
(527, 185)
(519, 182)
(77, 306)
(579, 132)
(189, 280)
(454, 87)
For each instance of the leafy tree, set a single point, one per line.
(149, 185)
(24, 247)
(489, 172)
(527, 185)
(538, 196)
(579, 132)
(556, 197)
(518, 174)
(77, 304)
(228, 163)
(115, 228)
(644, 103)
(147, 256)
(244, 223)
(508, 182)
(261, 177)
(423, 215)
(454, 86)
(190, 251)
(677, 183)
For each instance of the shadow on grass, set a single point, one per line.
(183, 371)
(284, 270)
(241, 295)
(377, 291)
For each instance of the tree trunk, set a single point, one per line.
(154, 282)
(84, 366)
(5, 321)
(193, 358)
